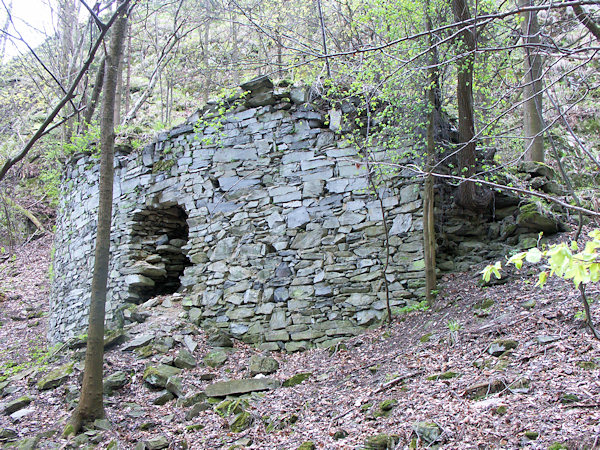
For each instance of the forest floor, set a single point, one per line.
(543, 392)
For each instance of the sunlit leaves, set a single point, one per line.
(563, 260)
(492, 269)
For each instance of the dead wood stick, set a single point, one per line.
(26, 213)
(395, 381)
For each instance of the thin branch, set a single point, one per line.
(99, 23)
(549, 198)
(66, 99)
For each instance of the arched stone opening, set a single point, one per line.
(158, 259)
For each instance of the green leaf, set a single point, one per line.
(543, 277)
(533, 255)
(517, 260)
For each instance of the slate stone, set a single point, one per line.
(196, 409)
(264, 365)
(215, 359)
(298, 217)
(243, 386)
(55, 377)
(283, 271)
(428, 432)
(184, 360)
(351, 218)
(401, 224)
(138, 341)
(308, 240)
(536, 218)
(499, 346)
(297, 379)
(278, 320)
(114, 381)
(299, 95)
(175, 386)
(156, 443)
(158, 376)
(382, 442)
(16, 405)
(7, 434)
(139, 281)
(163, 398)
(146, 269)
(241, 422)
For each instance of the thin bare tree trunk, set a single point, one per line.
(3, 36)
(90, 405)
(128, 79)
(91, 107)
(119, 91)
(428, 192)
(323, 37)
(532, 88)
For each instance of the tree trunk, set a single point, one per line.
(96, 91)
(90, 405)
(119, 90)
(532, 88)
(434, 103)
(464, 95)
(67, 24)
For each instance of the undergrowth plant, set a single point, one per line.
(566, 261)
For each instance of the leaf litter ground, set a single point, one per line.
(555, 357)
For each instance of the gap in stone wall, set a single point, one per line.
(158, 237)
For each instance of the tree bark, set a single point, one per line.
(464, 95)
(532, 88)
(433, 102)
(587, 21)
(91, 106)
(90, 405)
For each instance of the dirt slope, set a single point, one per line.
(549, 384)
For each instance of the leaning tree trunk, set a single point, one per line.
(91, 402)
(532, 87)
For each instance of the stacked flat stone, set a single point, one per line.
(283, 244)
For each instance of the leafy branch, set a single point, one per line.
(564, 261)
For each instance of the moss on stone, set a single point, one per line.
(163, 165)
(587, 365)
(297, 379)
(241, 422)
(382, 441)
(444, 376)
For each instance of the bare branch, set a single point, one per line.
(66, 99)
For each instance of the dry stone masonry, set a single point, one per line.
(262, 217)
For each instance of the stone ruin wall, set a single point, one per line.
(262, 219)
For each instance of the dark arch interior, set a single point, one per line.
(158, 237)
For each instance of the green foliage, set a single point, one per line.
(211, 126)
(564, 260)
(454, 326)
(417, 306)
(39, 358)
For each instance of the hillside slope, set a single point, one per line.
(544, 391)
